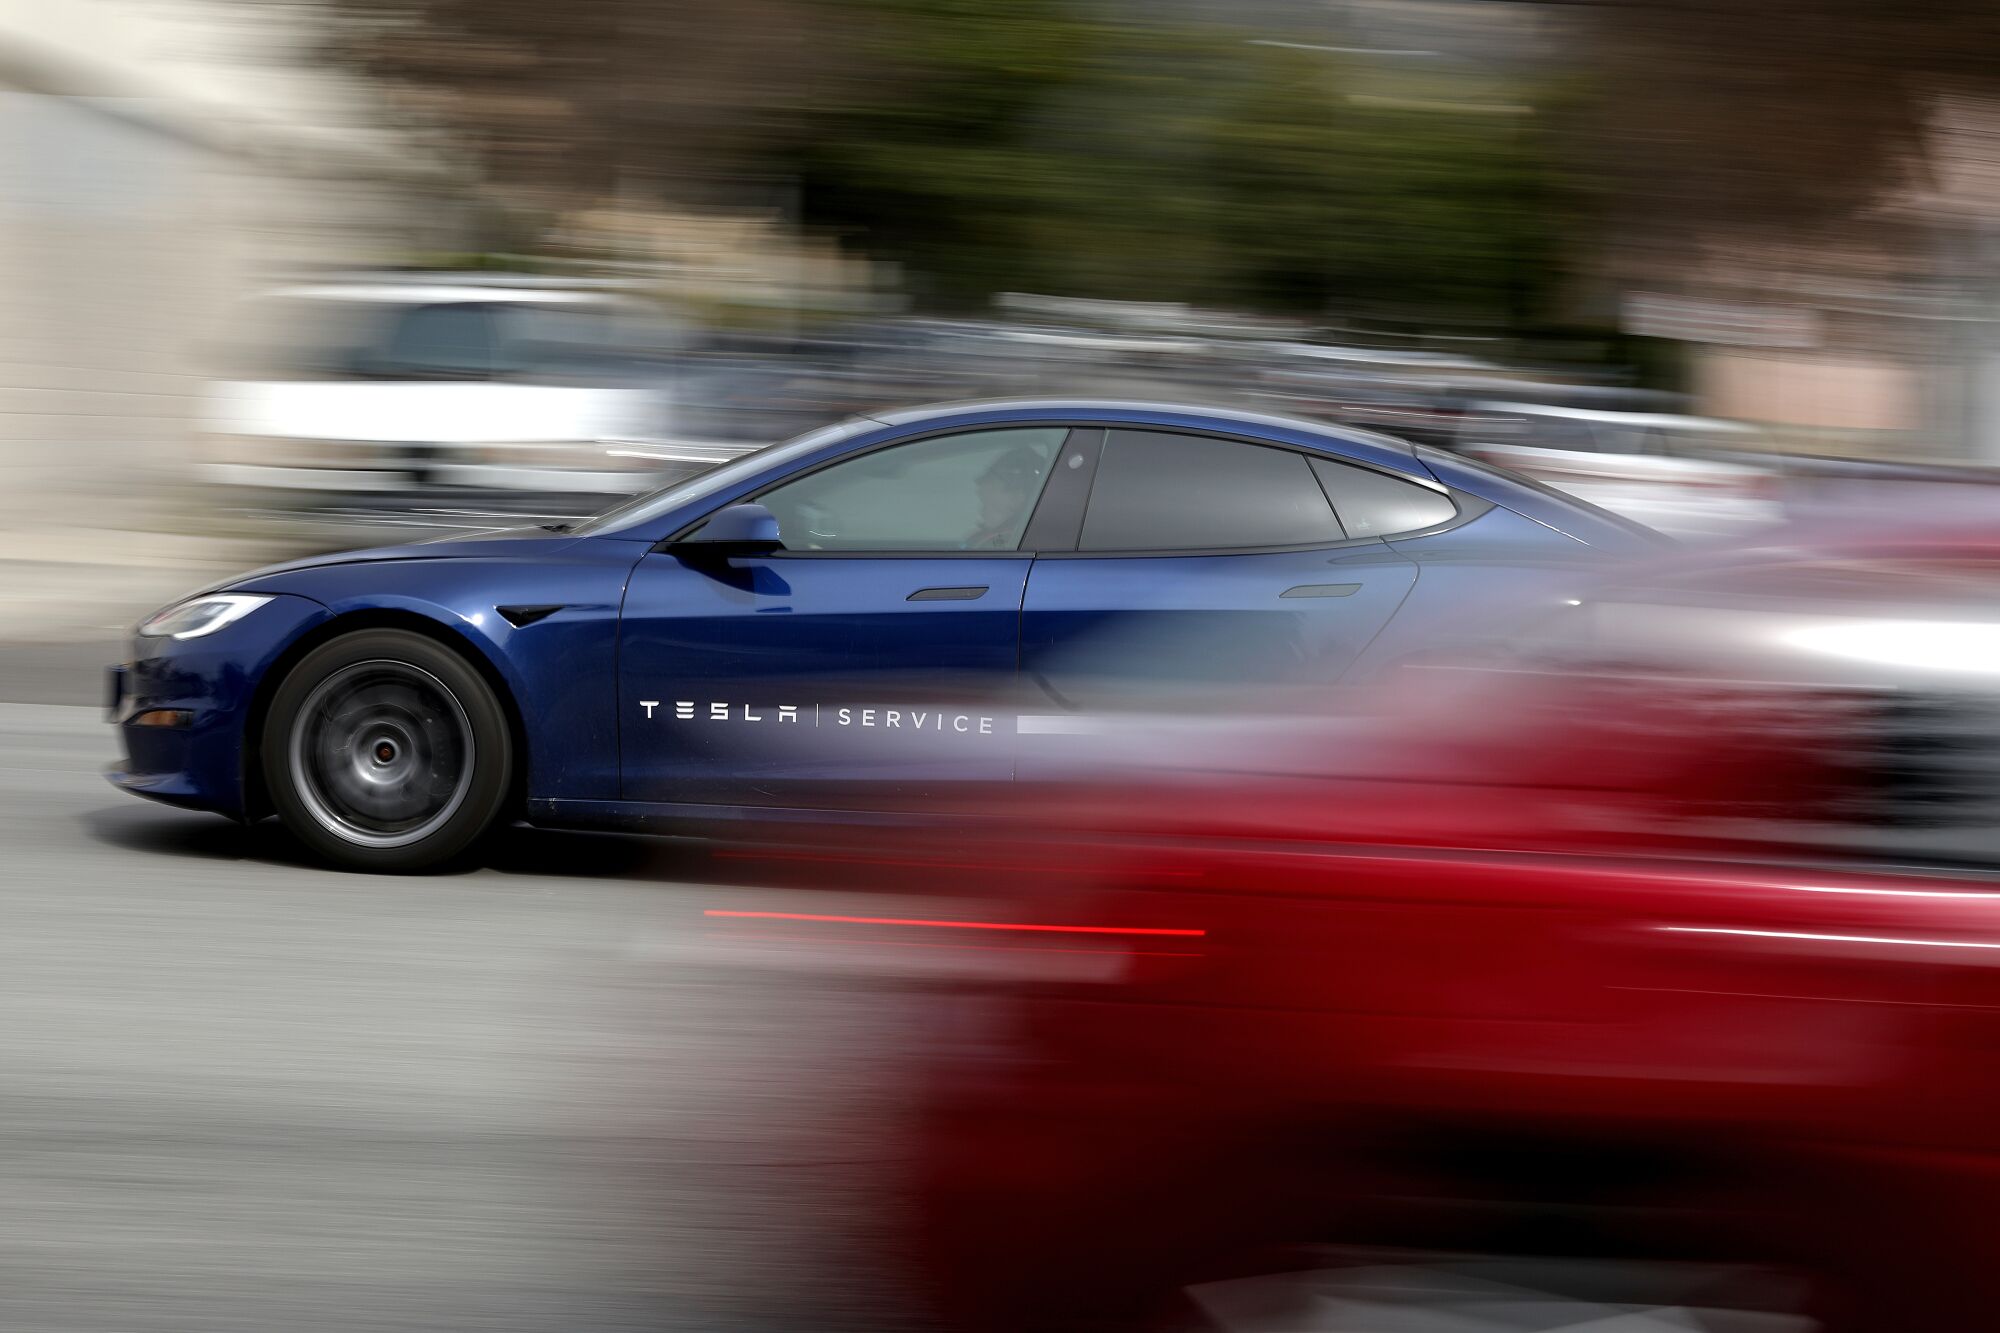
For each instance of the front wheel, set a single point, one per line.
(386, 751)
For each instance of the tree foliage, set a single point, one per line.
(989, 145)
(1025, 145)
(578, 102)
(1783, 122)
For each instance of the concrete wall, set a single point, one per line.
(110, 235)
(150, 176)
(1808, 389)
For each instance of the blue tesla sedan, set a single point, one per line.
(860, 619)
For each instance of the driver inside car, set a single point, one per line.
(1007, 492)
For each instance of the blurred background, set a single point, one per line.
(295, 275)
(280, 276)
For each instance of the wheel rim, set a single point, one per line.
(382, 754)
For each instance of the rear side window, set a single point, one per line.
(1374, 504)
(1162, 492)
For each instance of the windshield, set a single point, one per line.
(640, 508)
(286, 337)
(283, 337)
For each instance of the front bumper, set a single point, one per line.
(183, 707)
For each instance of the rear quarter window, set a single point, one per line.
(1375, 504)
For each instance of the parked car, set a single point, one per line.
(1658, 468)
(423, 389)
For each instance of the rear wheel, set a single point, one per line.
(386, 751)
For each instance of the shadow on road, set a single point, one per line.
(565, 854)
(517, 850)
(165, 832)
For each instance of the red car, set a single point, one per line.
(1571, 985)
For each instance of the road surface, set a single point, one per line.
(240, 1092)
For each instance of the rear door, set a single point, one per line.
(1201, 569)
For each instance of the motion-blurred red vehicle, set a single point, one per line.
(1599, 956)
(1487, 1051)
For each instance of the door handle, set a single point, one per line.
(1322, 590)
(947, 594)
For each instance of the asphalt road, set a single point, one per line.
(241, 1092)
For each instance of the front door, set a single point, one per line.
(864, 665)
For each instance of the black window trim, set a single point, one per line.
(1469, 507)
(1065, 501)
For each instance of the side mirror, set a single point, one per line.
(745, 529)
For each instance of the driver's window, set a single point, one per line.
(970, 492)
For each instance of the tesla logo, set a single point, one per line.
(823, 715)
(686, 710)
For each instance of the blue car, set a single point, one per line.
(864, 618)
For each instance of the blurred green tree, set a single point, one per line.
(1026, 144)
(990, 145)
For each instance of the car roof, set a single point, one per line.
(1136, 411)
(410, 293)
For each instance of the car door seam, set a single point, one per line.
(618, 671)
(1416, 573)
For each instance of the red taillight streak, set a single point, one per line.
(981, 948)
(1043, 927)
(727, 855)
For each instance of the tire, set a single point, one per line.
(385, 751)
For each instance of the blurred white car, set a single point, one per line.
(440, 384)
(1657, 468)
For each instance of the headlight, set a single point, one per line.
(202, 615)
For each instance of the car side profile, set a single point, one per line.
(876, 615)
